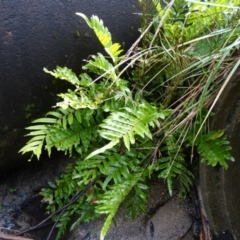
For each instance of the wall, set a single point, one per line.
(43, 33)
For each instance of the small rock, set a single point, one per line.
(170, 222)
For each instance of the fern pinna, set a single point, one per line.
(120, 136)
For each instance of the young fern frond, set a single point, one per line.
(104, 36)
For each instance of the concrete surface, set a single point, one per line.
(170, 222)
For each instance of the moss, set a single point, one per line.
(28, 110)
(77, 34)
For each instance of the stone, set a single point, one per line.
(171, 222)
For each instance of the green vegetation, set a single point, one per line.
(12, 190)
(131, 116)
(28, 110)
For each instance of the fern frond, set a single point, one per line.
(78, 135)
(101, 66)
(158, 7)
(114, 51)
(62, 224)
(215, 149)
(128, 123)
(64, 129)
(101, 31)
(174, 169)
(104, 36)
(110, 164)
(173, 166)
(64, 74)
(85, 211)
(135, 202)
(110, 201)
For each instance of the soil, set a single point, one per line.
(21, 208)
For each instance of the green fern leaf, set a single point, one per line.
(34, 146)
(103, 35)
(128, 123)
(101, 66)
(102, 149)
(158, 7)
(173, 166)
(37, 127)
(85, 211)
(64, 129)
(43, 120)
(171, 169)
(62, 224)
(135, 202)
(64, 74)
(215, 149)
(100, 30)
(114, 50)
(111, 164)
(111, 200)
(75, 135)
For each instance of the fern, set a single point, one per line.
(110, 201)
(121, 174)
(173, 166)
(127, 123)
(215, 149)
(125, 126)
(104, 36)
(64, 74)
(117, 172)
(59, 192)
(111, 164)
(100, 65)
(136, 200)
(66, 129)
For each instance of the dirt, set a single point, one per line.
(21, 208)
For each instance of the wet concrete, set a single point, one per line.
(20, 201)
